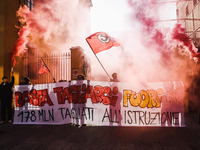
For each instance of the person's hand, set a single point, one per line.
(11, 71)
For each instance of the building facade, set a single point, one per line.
(8, 34)
(188, 13)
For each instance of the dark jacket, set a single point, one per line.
(6, 90)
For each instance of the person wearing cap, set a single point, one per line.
(6, 98)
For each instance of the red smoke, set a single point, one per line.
(29, 24)
(53, 25)
(180, 35)
(20, 45)
(151, 35)
(149, 25)
(173, 62)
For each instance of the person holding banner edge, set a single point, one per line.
(6, 96)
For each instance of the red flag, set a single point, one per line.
(43, 68)
(101, 41)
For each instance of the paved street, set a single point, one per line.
(67, 137)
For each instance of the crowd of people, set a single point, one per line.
(6, 94)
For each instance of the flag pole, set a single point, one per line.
(99, 61)
(48, 70)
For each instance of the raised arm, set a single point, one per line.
(13, 79)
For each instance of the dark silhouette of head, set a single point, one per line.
(5, 79)
(80, 77)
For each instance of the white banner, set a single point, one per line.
(101, 103)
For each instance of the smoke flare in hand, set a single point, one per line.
(53, 26)
(20, 45)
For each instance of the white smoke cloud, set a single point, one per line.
(62, 24)
(146, 55)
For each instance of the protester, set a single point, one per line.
(25, 81)
(80, 77)
(114, 75)
(6, 98)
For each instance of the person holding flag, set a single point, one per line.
(114, 75)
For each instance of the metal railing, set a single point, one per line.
(59, 65)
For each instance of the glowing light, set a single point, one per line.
(112, 15)
(109, 15)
